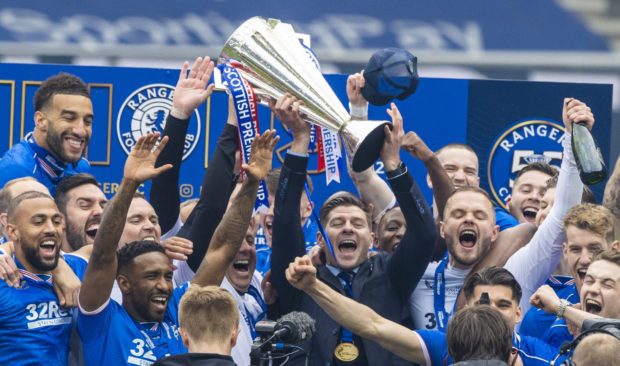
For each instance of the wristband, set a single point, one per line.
(358, 111)
(562, 308)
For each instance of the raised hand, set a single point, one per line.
(390, 152)
(178, 248)
(140, 164)
(286, 108)
(545, 298)
(575, 111)
(191, 89)
(301, 274)
(413, 144)
(261, 155)
(355, 83)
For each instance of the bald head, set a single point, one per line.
(599, 349)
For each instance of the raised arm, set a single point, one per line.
(217, 185)
(288, 237)
(546, 299)
(372, 189)
(232, 229)
(191, 91)
(358, 318)
(533, 264)
(611, 199)
(407, 264)
(101, 270)
(442, 184)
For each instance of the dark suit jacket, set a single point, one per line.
(384, 282)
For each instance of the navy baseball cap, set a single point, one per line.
(390, 73)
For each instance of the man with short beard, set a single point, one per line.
(63, 125)
(81, 200)
(34, 327)
(145, 327)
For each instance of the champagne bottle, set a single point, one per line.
(588, 155)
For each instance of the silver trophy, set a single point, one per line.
(270, 57)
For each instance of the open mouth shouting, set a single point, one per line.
(581, 273)
(160, 302)
(48, 248)
(468, 238)
(91, 229)
(347, 246)
(593, 306)
(529, 213)
(241, 265)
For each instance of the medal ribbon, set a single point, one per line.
(439, 295)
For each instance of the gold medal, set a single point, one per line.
(346, 352)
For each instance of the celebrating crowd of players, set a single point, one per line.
(138, 282)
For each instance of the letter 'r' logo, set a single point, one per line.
(145, 111)
(522, 143)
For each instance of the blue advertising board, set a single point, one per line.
(503, 120)
(467, 26)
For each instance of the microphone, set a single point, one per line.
(294, 327)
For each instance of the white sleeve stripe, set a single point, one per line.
(93, 312)
(427, 357)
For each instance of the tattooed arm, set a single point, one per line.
(231, 231)
(101, 270)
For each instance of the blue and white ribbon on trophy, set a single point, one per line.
(329, 150)
(246, 110)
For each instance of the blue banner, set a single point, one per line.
(500, 119)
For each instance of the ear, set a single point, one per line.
(319, 239)
(3, 220)
(565, 249)
(441, 230)
(518, 315)
(234, 335)
(495, 233)
(40, 121)
(615, 245)
(184, 337)
(307, 211)
(12, 233)
(123, 284)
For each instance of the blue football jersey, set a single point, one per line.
(111, 337)
(533, 351)
(536, 322)
(34, 328)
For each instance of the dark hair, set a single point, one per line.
(130, 251)
(273, 179)
(67, 184)
(479, 333)
(344, 198)
(62, 83)
(493, 276)
(587, 196)
(16, 201)
(538, 167)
